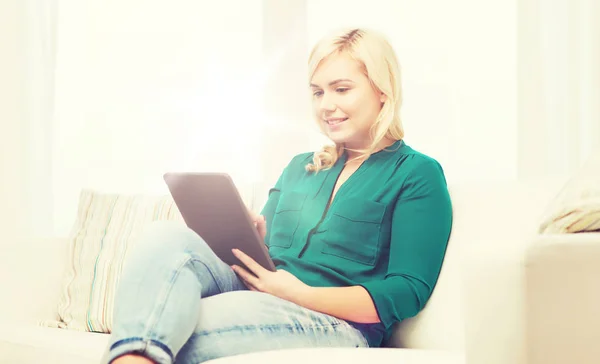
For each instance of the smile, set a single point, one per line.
(335, 121)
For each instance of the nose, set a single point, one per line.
(327, 103)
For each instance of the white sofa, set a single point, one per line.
(490, 305)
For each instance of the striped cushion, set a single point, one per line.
(107, 226)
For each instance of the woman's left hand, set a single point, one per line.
(280, 283)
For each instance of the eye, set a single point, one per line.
(317, 93)
(341, 89)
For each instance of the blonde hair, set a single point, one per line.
(380, 65)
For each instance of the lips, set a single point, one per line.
(335, 121)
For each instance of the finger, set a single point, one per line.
(253, 216)
(250, 263)
(249, 286)
(262, 227)
(246, 276)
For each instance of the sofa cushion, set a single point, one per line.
(576, 209)
(34, 344)
(346, 355)
(106, 227)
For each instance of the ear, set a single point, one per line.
(383, 98)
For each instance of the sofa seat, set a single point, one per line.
(362, 355)
(36, 344)
(21, 344)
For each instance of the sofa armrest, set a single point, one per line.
(31, 273)
(493, 300)
(563, 299)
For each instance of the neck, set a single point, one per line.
(384, 143)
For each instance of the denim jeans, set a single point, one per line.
(177, 302)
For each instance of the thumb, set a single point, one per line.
(262, 226)
(261, 221)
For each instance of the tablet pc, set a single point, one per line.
(211, 206)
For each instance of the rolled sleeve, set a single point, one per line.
(421, 226)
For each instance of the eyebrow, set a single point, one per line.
(334, 82)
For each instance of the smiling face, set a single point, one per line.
(344, 102)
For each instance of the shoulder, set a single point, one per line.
(414, 162)
(420, 178)
(412, 166)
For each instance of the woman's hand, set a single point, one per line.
(280, 283)
(260, 223)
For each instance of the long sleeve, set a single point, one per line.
(421, 226)
(268, 211)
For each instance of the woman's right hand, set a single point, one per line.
(260, 223)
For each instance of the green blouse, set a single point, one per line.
(386, 229)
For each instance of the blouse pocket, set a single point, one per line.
(353, 230)
(286, 219)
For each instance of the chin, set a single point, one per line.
(338, 139)
(341, 137)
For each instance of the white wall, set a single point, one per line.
(559, 85)
(12, 120)
(148, 87)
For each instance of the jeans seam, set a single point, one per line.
(165, 292)
(334, 326)
(219, 283)
(163, 298)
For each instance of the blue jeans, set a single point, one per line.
(178, 303)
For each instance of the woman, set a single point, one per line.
(358, 232)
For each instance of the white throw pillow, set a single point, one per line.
(576, 209)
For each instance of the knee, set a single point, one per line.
(162, 238)
(164, 229)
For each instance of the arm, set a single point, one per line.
(269, 209)
(421, 224)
